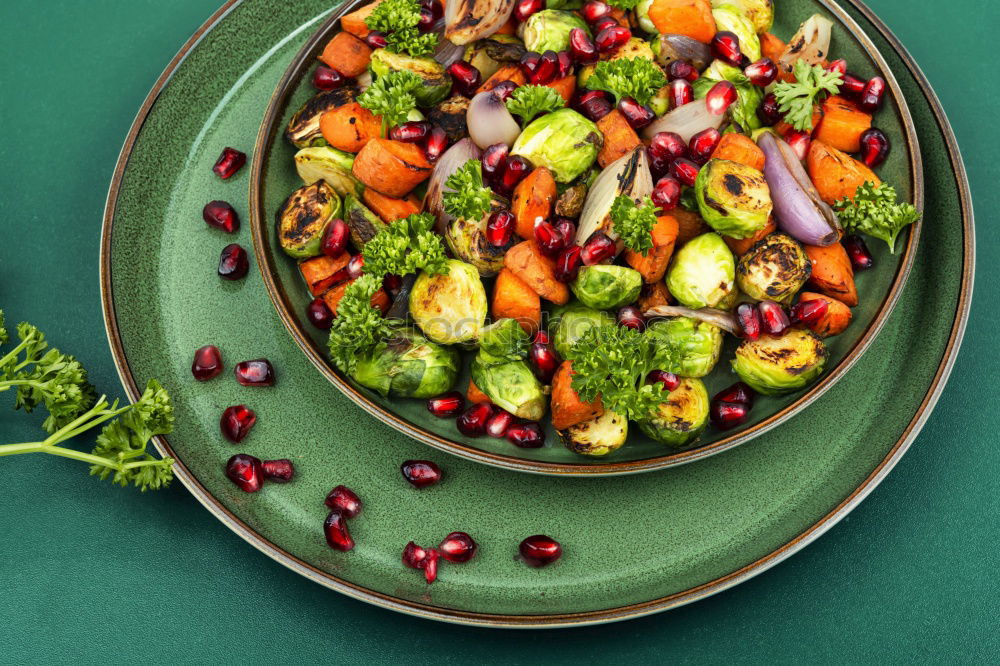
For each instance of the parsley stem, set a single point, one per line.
(42, 447)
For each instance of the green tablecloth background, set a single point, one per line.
(93, 573)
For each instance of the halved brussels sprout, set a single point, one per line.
(331, 165)
(774, 269)
(467, 241)
(597, 437)
(569, 323)
(748, 96)
(502, 373)
(449, 308)
(683, 417)
(408, 365)
(760, 12)
(548, 30)
(702, 273)
(362, 222)
(731, 18)
(605, 286)
(733, 198)
(774, 365)
(450, 116)
(303, 128)
(685, 346)
(486, 55)
(437, 81)
(563, 141)
(303, 218)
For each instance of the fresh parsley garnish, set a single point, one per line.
(468, 199)
(530, 100)
(638, 78)
(634, 223)
(358, 326)
(796, 98)
(876, 212)
(406, 246)
(398, 20)
(391, 97)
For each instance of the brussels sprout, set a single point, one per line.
(408, 365)
(449, 115)
(303, 128)
(501, 372)
(548, 30)
(437, 82)
(733, 198)
(604, 286)
(680, 419)
(304, 217)
(331, 165)
(780, 365)
(363, 223)
(702, 273)
(775, 268)
(633, 48)
(488, 54)
(570, 322)
(642, 16)
(468, 241)
(563, 141)
(597, 437)
(686, 346)
(760, 12)
(732, 18)
(748, 96)
(449, 308)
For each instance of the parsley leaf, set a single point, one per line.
(358, 326)
(391, 97)
(398, 20)
(796, 98)
(530, 100)
(468, 199)
(406, 246)
(875, 211)
(634, 223)
(638, 78)
(623, 4)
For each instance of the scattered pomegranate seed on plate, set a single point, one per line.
(414, 556)
(540, 550)
(257, 372)
(236, 423)
(338, 536)
(281, 470)
(345, 500)
(458, 547)
(221, 215)
(229, 162)
(447, 405)
(246, 471)
(234, 262)
(875, 147)
(858, 252)
(420, 473)
(207, 363)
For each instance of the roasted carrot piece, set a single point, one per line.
(567, 408)
(739, 246)
(388, 208)
(322, 272)
(349, 127)
(505, 73)
(836, 174)
(784, 129)
(354, 22)
(654, 294)
(347, 54)
(842, 125)
(514, 299)
(533, 200)
(689, 225)
(508, 28)
(834, 321)
(832, 273)
(392, 167)
(772, 46)
(740, 148)
(684, 17)
(474, 395)
(565, 86)
(333, 296)
(653, 265)
(619, 138)
(537, 271)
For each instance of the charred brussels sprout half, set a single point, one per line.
(702, 273)
(303, 219)
(449, 115)
(563, 141)
(760, 12)
(731, 18)
(597, 437)
(774, 365)
(487, 55)
(733, 198)
(571, 321)
(548, 30)
(303, 128)
(362, 222)
(437, 82)
(604, 287)
(408, 365)
(686, 346)
(468, 241)
(502, 373)
(773, 269)
(330, 165)
(683, 417)
(449, 308)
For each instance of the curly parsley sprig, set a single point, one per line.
(876, 212)
(398, 20)
(638, 78)
(634, 223)
(391, 97)
(406, 246)
(468, 199)
(358, 326)
(529, 101)
(796, 98)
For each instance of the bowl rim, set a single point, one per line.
(270, 128)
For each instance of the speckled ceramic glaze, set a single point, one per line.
(274, 177)
(633, 544)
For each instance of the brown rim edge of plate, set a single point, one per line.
(266, 262)
(572, 619)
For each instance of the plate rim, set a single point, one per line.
(794, 545)
(266, 262)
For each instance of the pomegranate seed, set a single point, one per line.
(221, 215)
(612, 38)
(494, 161)
(631, 317)
(594, 104)
(669, 380)
(345, 500)
(279, 471)
(472, 422)
(637, 115)
(703, 144)
(500, 228)
(726, 46)
(861, 257)
(257, 372)
(420, 473)
(327, 78)
(437, 142)
(594, 10)
(392, 284)
(430, 565)
(721, 96)
(229, 162)
(434, 6)
(236, 423)
(550, 242)
(808, 312)
(567, 229)
(769, 110)
(529, 63)
(773, 317)
(871, 96)
(738, 393)
(667, 193)
(875, 147)
(412, 131)
(685, 171)
(525, 8)
(527, 435)
(839, 65)
(414, 556)
(497, 426)
(542, 337)
(539, 550)
(376, 40)
(726, 415)
(427, 19)
(465, 78)
(582, 47)
(748, 318)
(602, 23)
(447, 405)
(762, 73)
(246, 472)
(565, 63)
(356, 266)
(548, 67)
(799, 142)
(458, 547)
(207, 363)
(851, 87)
(335, 238)
(680, 93)
(544, 361)
(504, 90)
(338, 536)
(664, 148)
(319, 315)
(568, 264)
(514, 172)
(233, 262)
(598, 248)
(681, 69)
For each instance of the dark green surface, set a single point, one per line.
(908, 575)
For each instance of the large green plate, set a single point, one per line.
(633, 544)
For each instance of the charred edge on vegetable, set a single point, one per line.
(503, 51)
(308, 115)
(306, 204)
(361, 225)
(449, 115)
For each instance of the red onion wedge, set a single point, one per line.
(490, 122)
(447, 53)
(685, 120)
(452, 159)
(724, 320)
(681, 47)
(798, 208)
